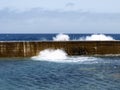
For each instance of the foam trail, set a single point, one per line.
(61, 37)
(97, 37)
(61, 56)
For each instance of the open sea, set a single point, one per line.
(70, 73)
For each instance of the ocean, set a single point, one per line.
(61, 73)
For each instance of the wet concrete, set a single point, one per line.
(28, 48)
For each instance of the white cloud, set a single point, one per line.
(80, 16)
(86, 5)
(39, 21)
(70, 4)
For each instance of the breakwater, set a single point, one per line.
(32, 48)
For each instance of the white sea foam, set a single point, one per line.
(97, 37)
(93, 37)
(61, 56)
(61, 37)
(51, 54)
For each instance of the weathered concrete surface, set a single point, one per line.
(28, 49)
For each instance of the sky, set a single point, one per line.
(60, 16)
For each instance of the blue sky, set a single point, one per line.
(60, 16)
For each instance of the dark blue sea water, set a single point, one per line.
(78, 73)
(44, 37)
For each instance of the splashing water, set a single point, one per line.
(97, 37)
(50, 54)
(93, 37)
(61, 37)
(61, 56)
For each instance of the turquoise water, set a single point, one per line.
(97, 73)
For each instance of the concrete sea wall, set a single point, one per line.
(32, 48)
